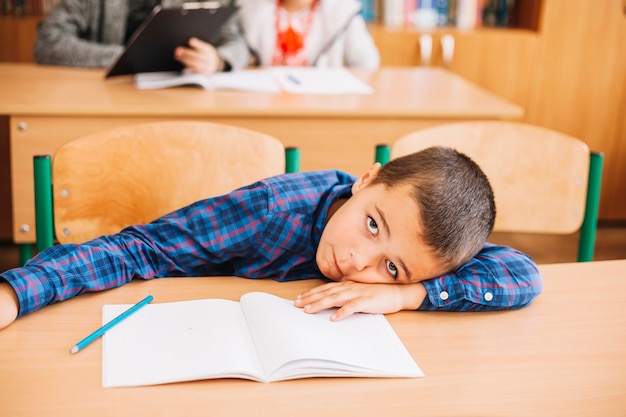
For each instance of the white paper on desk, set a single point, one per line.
(327, 81)
(262, 338)
(245, 80)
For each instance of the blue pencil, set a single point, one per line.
(93, 336)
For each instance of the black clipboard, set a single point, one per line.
(151, 47)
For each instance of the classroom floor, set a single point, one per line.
(610, 244)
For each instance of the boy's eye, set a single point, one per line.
(372, 226)
(391, 267)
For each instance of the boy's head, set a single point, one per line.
(420, 216)
(454, 198)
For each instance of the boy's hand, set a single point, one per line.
(355, 297)
(9, 306)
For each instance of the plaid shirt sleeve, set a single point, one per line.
(497, 278)
(265, 230)
(197, 240)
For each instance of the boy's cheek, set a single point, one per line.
(368, 277)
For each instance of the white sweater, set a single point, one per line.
(338, 34)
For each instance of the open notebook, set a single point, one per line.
(262, 338)
(245, 80)
(297, 80)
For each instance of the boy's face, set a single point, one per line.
(374, 237)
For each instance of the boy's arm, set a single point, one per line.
(9, 305)
(497, 278)
(196, 240)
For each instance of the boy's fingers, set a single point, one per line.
(345, 311)
(319, 303)
(329, 297)
(334, 294)
(315, 294)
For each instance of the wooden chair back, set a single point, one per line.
(134, 174)
(539, 176)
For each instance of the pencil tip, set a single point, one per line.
(73, 350)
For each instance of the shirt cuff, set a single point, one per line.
(31, 292)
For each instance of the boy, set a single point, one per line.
(408, 236)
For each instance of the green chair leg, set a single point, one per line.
(26, 252)
(292, 159)
(586, 243)
(44, 221)
(383, 154)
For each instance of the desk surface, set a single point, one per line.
(31, 90)
(565, 355)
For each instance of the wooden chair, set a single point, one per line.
(543, 181)
(100, 183)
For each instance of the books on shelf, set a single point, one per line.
(294, 80)
(393, 13)
(429, 14)
(369, 10)
(261, 338)
(468, 15)
(26, 7)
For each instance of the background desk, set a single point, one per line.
(562, 356)
(44, 107)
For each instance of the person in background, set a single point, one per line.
(92, 34)
(316, 33)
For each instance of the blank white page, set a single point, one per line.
(283, 333)
(178, 341)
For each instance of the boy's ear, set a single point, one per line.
(366, 178)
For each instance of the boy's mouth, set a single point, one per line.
(337, 267)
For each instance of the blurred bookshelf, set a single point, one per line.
(26, 7)
(17, 37)
(393, 13)
(492, 43)
(19, 20)
(461, 14)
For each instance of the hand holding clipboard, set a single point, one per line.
(151, 48)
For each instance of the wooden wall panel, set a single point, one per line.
(578, 85)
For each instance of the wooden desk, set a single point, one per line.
(44, 107)
(565, 355)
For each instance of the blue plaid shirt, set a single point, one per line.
(269, 229)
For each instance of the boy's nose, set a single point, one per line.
(362, 258)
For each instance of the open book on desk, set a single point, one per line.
(246, 80)
(262, 338)
(294, 80)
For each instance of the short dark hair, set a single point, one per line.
(453, 196)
